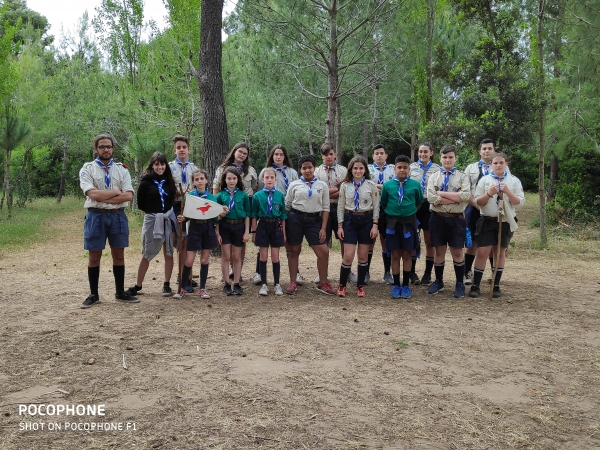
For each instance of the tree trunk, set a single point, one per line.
(332, 78)
(338, 125)
(136, 180)
(210, 79)
(374, 137)
(413, 135)
(365, 139)
(429, 65)
(553, 177)
(542, 123)
(6, 183)
(63, 173)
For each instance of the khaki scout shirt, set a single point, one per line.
(176, 170)
(297, 197)
(491, 207)
(250, 181)
(333, 178)
(416, 173)
(368, 198)
(91, 176)
(459, 182)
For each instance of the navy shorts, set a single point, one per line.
(472, 215)
(357, 229)
(405, 237)
(423, 215)
(332, 224)
(447, 230)
(487, 233)
(269, 233)
(232, 233)
(382, 224)
(201, 236)
(299, 226)
(102, 224)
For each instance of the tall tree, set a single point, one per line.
(541, 91)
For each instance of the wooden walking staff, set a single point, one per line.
(180, 244)
(497, 254)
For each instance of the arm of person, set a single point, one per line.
(513, 197)
(323, 230)
(449, 197)
(247, 230)
(432, 192)
(334, 192)
(101, 195)
(254, 223)
(121, 198)
(341, 207)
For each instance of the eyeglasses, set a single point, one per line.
(105, 147)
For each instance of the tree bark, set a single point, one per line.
(63, 173)
(542, 121)
(210, 79)
(332, 76)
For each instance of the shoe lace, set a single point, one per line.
(360, 290)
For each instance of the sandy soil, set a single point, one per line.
(304, 371)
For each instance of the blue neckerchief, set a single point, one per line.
(269, 199)
(400, 188)
(381, 170)
(444, 186)
(309, 184)
(485, 167)
(282, 170)
(239, 167)
(196, 193)
(424, 177)
(183, 165)
(499, 179)
(161, 191)
(231, 198)
(106, 171)
(356, 196)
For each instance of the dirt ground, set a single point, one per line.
(305, 371)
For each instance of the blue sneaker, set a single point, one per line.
(459, 291)
(405, 292)
(396, 292)
(436, 286)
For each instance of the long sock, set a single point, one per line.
(406, 277)
(370, 257)
(203, 275)
(262, 269)
(439, 271)
(491, 258)
(413, 266)
(185, 274)
(396, 279)
(469, 262)
(498, 276)
(362, 272)
(94, 279)
(119, 273)
(258, 262)
(459, 270)
(276, 272)
(387, 262)
(428, 264)
(344, 272)
(477, 276)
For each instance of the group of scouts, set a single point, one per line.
(277, 208)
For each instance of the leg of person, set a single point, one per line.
(93, 278)
(492, 264)
(169, 263)
(414, 278)
(438, 266)
(346, 267)
(256, 277)
(236, 258)
(262, 268)
(459, 270)
(429, 259)
(472, 214)
(204, 260)
(225, 260)
(478, 269)
(141, 274)
(293, 257)
(322, 254)
(500, 269)
(121, 295)
(396, 256)
(387, 260)
(185, 273)
(363, 267)
(406, 273)
(276, 270)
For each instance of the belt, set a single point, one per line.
(358, 213)
(490, 218)
(106, 211)
(459, 215)
(199, 220)
(234, 221)
(264, 219)
(307, 214)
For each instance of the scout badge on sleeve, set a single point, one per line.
(201, 208)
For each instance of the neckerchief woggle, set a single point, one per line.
(447, 173)
(161, 191)
(183, 165)
(269, 199)
(106, 171)
(309, 184)
(282, 170)
(424, 168)
(356, 196)
(380, 170)
(231, 197)
(499, 179)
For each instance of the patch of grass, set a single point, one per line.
(401, 344)
(29, 225)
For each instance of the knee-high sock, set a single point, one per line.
(344, 273)
(276, 272)
(94, 279)
(119, 273)
(362, 272)
(262, 270)
(203, 275)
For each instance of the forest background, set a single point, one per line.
(355, 73)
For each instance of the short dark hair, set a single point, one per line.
(307, 158)
(448, 149)
(180, 137)
(402, 158)
(104, 136)
(378, 146)
(485, 141)
(326, 148)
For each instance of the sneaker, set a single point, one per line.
(90, 301)
(341, 292)
(360, 291)
(189, 288)
(167, 291)
(414, 279)
(459, 290)
(469, 277)
(426, 279)
(352, 278)
(237, 289)
(367, 278)
(436, 286)
(126, 297)
(474, 292)
(227, 289)
(134, 290)
(194, 283)
(264, 290)
(406, 292)
(317, 280)
(292, 287)
(256, 279)
(325, 288)
(179, 295)
(496, 293)
(396, 292)
(299, 280)
(203, 293)
(277, 289)
(388, 278)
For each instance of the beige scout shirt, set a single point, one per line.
(176, 170)
(297, 197)
(459, 182)
(91, 176)
(416, 173)
(333, 178)
(491, 207)
(250, 181)
(368, 197)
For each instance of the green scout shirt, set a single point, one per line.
(260, 201)
(413, 197)
(240, 210)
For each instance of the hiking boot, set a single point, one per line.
(414, 279)
(325, 288)
(396, 292)
(496, 293)
(237, 289)
(426, 279)
(126, 297)
(167, 291)
(459, 290)
(469, 277)
(227, 289)
(277, 289)
(406, 292)
(256, 279)
(90, 301)
(360, 291)
(388, 278)
(203, 293)
(179, 295)
(264, 290)
(341, 292)
(292, 287)
(436, 286)
(474, 292)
